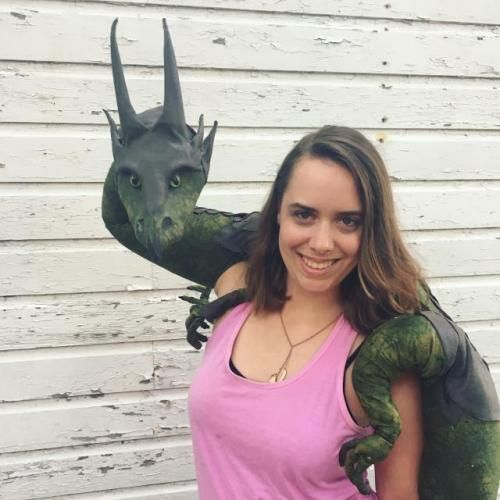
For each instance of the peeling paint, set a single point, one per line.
(331, 42)
(18, 15)
(105, 469)
(63, 395)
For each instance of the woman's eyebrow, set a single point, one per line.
(352, 212)
(302, 207)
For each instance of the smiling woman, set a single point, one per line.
(313, 298)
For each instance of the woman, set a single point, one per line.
(276, 376)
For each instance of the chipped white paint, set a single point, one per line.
(94, 368)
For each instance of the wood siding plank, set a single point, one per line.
(236, 99)
(481, 12)
(92, 319)
(45, 474)
(62, 154)
(268, 42)
(69, 372)
(57, 427)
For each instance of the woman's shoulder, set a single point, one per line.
(231, 279)
(234, 312)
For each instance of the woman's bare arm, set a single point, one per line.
(231, 279)
(397, 476)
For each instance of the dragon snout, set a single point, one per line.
(166, 223)
(157, 233)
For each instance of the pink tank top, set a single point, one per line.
(255, 440)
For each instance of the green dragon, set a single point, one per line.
(149, 204)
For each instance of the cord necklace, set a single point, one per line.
(282, 373)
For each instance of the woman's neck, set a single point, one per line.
(312, 307)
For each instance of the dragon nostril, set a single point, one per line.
(167, 223)
(139, 225)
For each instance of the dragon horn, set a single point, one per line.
(130, 124)
(198, 138)
(173, 108)
(115, 134)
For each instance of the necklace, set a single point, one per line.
(282, 373)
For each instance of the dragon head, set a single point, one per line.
(160, 163)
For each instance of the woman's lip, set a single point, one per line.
(313, 271)
(319, 261)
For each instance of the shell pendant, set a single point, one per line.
(279, 376)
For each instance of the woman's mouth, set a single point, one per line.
(317, 265)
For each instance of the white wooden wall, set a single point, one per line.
(93, 366)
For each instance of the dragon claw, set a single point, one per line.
(358, 454)
(196, 318)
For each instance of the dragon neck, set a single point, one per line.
(199, 256)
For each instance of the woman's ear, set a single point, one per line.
(278, 219)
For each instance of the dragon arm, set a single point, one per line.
(407, 343)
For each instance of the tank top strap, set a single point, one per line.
(345, 335)
(229, 326)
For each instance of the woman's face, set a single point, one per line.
(320, 221)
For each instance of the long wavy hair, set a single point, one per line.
(385, 280)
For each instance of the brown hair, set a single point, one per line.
(384, 282)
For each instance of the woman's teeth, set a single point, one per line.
(317, 265)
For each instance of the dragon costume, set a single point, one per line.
(149, 204)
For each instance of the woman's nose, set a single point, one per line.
(322, 239)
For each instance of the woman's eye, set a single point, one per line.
(135, 182)
(302, 215)
(350, 222)
(175, 181)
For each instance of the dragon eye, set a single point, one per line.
(175, 181)
(135, 182)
